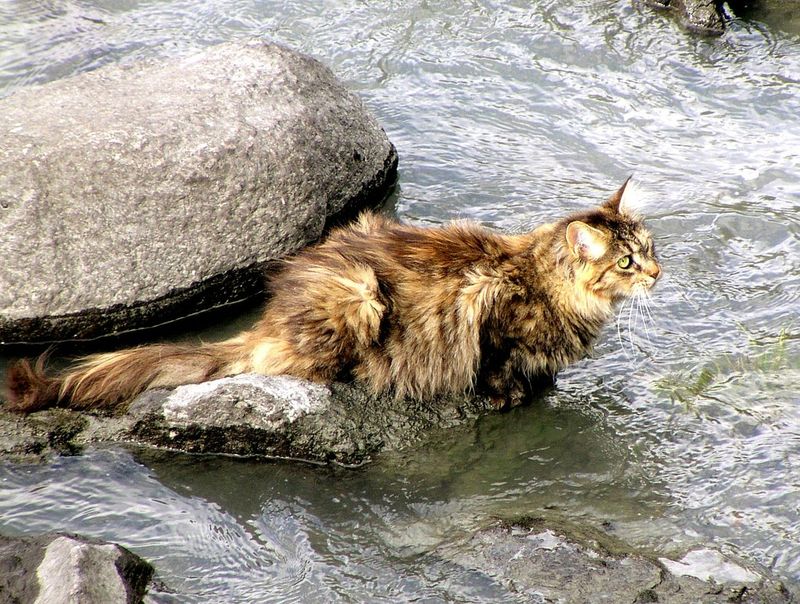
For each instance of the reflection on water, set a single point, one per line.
(681, 430)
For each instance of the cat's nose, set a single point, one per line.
(654, 272)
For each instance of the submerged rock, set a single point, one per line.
(541, 561)
(131, 196)
(62, 569)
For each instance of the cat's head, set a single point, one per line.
(612, 252)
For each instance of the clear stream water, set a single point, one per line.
(679, 431)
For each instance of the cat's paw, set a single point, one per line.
(499, 402)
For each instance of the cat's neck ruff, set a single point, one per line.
(589, 305)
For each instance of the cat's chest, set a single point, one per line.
(547, 337)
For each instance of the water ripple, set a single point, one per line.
(510, 113)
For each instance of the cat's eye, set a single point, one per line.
(624, 262)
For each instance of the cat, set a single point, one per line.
(416, 311)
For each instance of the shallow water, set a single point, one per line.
(681, 430)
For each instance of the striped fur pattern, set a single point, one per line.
(419, 312)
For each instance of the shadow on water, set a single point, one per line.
(546, 455)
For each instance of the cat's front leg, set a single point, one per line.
(505, 389)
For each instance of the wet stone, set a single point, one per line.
(64, 568)
(547, 561)
(701, 16)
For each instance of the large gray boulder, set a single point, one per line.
(130, 196)
(66, 569)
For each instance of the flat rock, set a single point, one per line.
(246, 415)
(134, 195)
(542, 561)
(64, 568)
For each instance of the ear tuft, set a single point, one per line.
(633, 201)
(629, 200)
(585, 242)
(616, 199)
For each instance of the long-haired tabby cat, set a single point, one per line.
(416, 311)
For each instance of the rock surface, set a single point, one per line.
(702, 16)
(130, 196)
(246, 415)
(712, 17)
(64, 569)
(539, 561)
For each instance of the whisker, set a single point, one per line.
(637, 306)
(619, 326)
(631, 325)
(641, 300)
(638, 313)
(646, 300)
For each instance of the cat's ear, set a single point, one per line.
(615, 201)
(586, 242)
(628, 200)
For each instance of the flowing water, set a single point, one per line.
(684, 428)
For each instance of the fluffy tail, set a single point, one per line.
(105, 381)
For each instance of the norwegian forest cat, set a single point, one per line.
(416, 311)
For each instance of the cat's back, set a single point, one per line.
(383, 243)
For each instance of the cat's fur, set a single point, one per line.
(416, 311)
